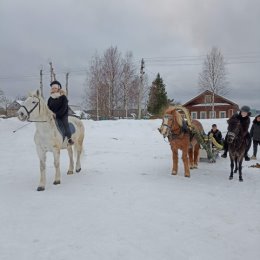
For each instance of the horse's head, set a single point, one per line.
(234, 129)
(172, 120)
(30, 108)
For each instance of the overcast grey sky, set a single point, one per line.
(69, 32)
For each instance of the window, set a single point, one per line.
(208, 99)
(230, 112)
(193, 115)
(212, 114)
(203, 115)
(222, 114)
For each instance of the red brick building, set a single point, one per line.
(200, 107)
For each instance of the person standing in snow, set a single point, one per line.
(255, 135)
(244, 117)
(58, 104)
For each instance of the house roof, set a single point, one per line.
(228, 102)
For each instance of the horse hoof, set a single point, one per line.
(40, 188)
(56, 182)
(231, 177)
(174, 173)
(69, 172)
(187, 176)
(192, 167)
(241, 179)
(195, 167)
(78, 170)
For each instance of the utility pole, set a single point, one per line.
(141, 87)
(51, 71)
(67, 83)
(41, 85)
(97, 99)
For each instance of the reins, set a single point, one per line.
(14, 131)
(29, 112)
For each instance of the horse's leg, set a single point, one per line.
(56, 155)
(185, 160)
(175, 161)
(71, 166)
(235, 171)
(232, 168)
(191, 156)
(42, 157)
(240, 169)
(196, 155)
(79, 147)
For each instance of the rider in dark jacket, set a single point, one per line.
(58, 104)
(244, 117)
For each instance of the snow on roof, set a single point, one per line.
(20, 102)
(210, 104)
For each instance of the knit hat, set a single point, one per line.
(245, 109)
(214, 125)
(56, 82)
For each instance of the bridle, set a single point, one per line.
(171, 132)
(31, 110)
(234, 133)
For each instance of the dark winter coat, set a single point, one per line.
(217, 135)
(244, 121)
(255, 130)
(58, 104)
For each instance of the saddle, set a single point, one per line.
(61, 128)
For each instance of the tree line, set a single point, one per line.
(115, 83)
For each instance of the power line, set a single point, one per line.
(231, 59)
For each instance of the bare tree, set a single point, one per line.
(112, 83)
(127, 78)
(112, 73)
(95, 84)
(214, 76)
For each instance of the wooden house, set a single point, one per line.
(201, 106)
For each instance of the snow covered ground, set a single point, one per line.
(124, 204)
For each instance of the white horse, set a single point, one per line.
(48, 138)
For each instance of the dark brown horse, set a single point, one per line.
(180, 137)
(236, 146)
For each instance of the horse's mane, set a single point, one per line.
(173, 111)
(233, 122)
(44, 106)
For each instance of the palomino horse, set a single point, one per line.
(48, 138)
(236, 146)
(181, 138)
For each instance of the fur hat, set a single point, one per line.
(245, 109)
(56, 82)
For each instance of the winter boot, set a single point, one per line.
(70, 141)
(224, 155)
(247, 158)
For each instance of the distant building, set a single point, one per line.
(13, 108)
(200, 107)
(2, 111)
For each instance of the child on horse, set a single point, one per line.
(58, 104)
(244, 117)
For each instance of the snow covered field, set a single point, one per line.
(124, 204)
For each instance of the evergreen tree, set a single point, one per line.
(157, 96)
